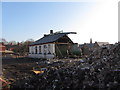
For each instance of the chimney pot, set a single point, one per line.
(51, 31)
(90, 40)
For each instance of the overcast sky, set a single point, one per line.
(96, 20)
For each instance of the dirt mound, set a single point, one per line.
(101, 70)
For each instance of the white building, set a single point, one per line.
(51, 45)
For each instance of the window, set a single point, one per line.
(45, 46)
(49, 49)
(32, 48)
(45, 49)
(36, 50)
(39, 49)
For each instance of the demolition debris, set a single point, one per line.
(100, 70)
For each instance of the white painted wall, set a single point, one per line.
(45, 49)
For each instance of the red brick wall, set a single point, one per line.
(2, 47)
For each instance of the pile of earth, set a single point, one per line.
(99, 71)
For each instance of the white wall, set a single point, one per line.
(45, 49)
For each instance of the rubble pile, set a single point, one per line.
(104, 68)
(101, 70)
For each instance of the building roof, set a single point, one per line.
(51, 38)
(102, 43)
(7, 51)
(90, 45)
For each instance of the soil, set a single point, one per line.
(17, 68)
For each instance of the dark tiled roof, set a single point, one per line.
(90, 45)
(50, 38)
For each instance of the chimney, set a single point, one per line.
(45, 35)
(51, 31)
(90, 40)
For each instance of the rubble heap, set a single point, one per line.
(101, 70)
(104, 68)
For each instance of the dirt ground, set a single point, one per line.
(17, 68)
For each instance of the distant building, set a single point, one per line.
(11, 47)
(4, 52)
(2, 47)
(100, 44)
(88, 48)
(52, 45)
